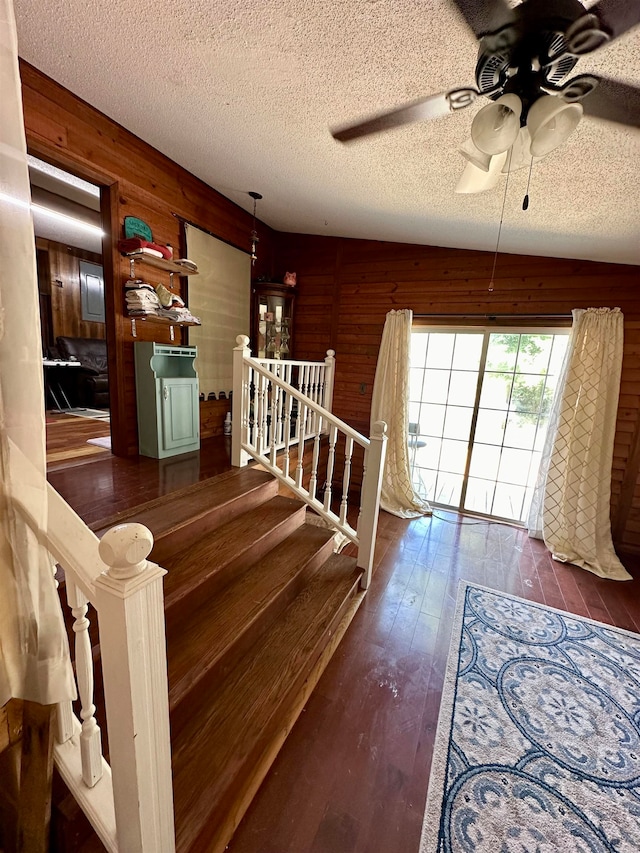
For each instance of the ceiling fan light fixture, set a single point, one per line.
(520, 153)
(474, 155)
(495, 128)
(475, 180)
(550, 122)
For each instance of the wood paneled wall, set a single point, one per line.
(137, 181)
(346, 287)
(63, 288)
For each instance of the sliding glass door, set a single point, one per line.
(478, 412)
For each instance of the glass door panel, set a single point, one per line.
(479, 407)
(443, 388)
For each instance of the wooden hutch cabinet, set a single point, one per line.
(271, 319)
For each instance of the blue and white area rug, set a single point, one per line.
(538, 741)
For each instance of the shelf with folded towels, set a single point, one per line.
(155, 319)
(143, 308)
(173, 267)
(165, 321)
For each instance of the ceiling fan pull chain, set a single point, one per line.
(504, 200)
(525, 200)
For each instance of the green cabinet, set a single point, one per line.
(167, 399)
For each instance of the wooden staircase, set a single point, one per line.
(256, 602)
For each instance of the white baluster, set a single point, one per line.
(240, 403)
(64, 710)
(275, 422)
(321, 371)
(64, 722)
(276, 416)
(281, 415)
(302, 419)
(344, 504)
(260, 413)
(133, 647)
(311, 415)
(333, 433)
(287, 435)
(370, 500)
(90, 737)
(304, 380)
(313, 483)
(252, 407)
(311, 393)
(265, 385)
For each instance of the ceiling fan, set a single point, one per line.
(525, 56)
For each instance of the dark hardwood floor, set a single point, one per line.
(99, 488)
(353, 774)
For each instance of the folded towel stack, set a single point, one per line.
(136, 244)
(143, 301)
(187, 264)
(167, 298)
(179, 315)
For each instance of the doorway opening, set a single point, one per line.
(68, 233)
(479, 406)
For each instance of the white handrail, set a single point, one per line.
(261, 425)
(344, 427)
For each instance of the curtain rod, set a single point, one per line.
(184, 221)
(494, 316)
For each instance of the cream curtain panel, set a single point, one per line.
(221, 297)
(571, 507)
(390, 404)
(34, 656)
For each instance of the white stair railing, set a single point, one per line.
(129, 801)
(314, 379)
(271, 416)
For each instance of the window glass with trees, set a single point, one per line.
(479, 406)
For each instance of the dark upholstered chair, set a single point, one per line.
(92, 378)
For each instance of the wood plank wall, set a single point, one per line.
(63, 288)
(346, 287)
(140, 181)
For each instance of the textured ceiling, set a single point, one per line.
(242, 94)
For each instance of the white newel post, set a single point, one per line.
(370, 499)
(239, 409)
(130, 608)
(329, 375)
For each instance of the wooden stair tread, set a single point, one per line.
(197, 646)
(167, 513)
(255, 605)
(239, 542)
(215, 755)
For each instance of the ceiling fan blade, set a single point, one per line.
(614, 101)
(617, 16)
(485, 17)
(434, 106)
